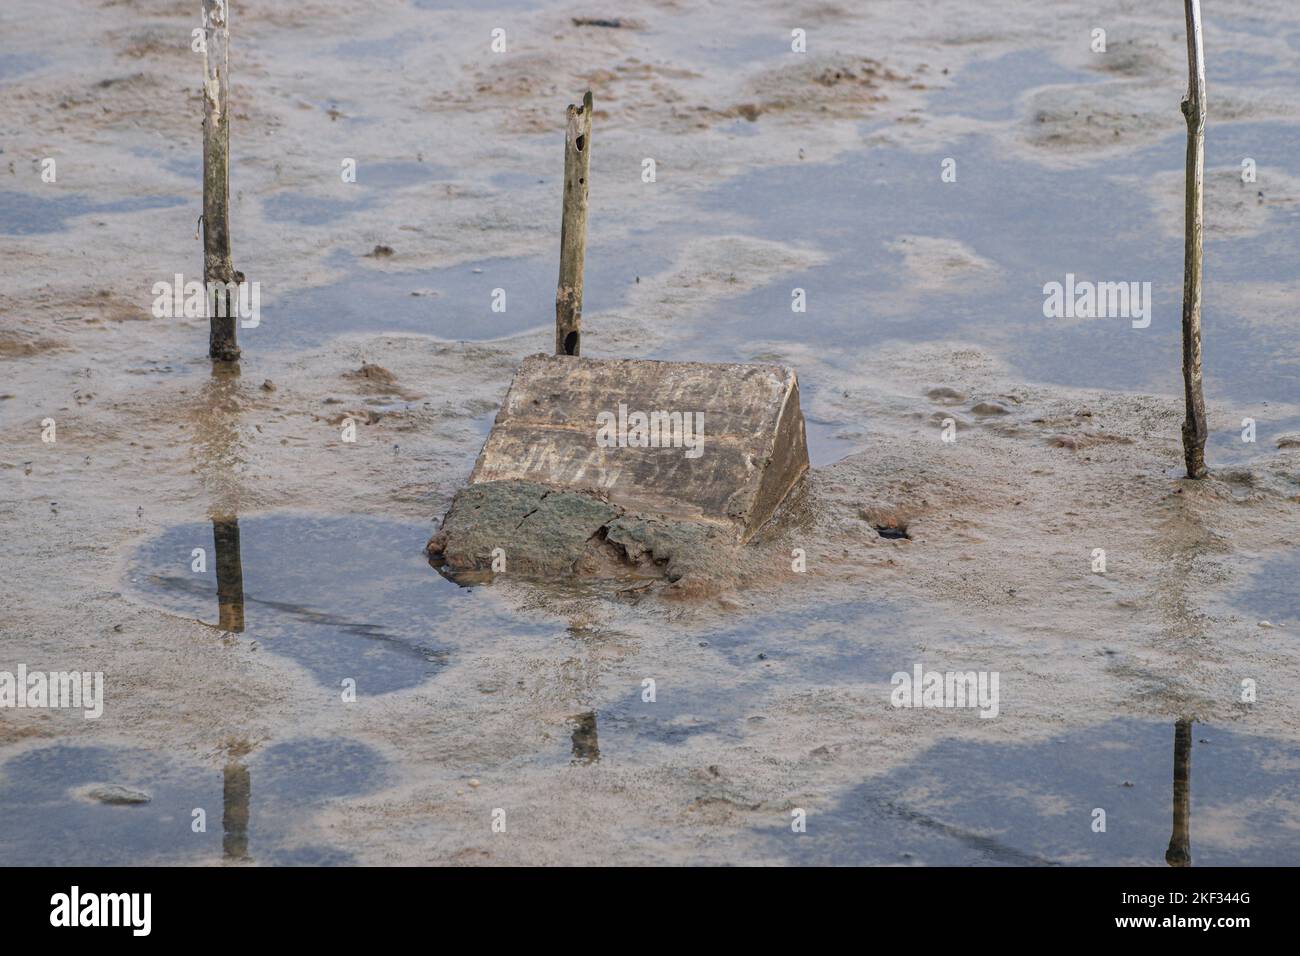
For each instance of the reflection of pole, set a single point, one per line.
(1180, 843)
(586, 749)
(230, 574)
(234, 814)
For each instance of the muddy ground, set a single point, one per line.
(772, 686)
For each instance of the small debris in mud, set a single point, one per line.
(586, 745)
(866, 71)
(1087, 440)
(365, 417)
(944, 395)
(377, 380)
(268, 386)
(942, 418)
(373, 373)
(609, 23)
(380, 252)
(892, 532)
(888, 521)
(113, 795)
(14, 344)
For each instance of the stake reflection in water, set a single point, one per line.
(234, 813)
(586, 749)
(1180, 842)
(230, 574)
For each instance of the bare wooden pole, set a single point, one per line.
(573, 229)
(217, 267)
(1193, 106)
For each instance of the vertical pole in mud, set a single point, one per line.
(573, 229)
(217, 267)
(1193, 106)
(1180, 841)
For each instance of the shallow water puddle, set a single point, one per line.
(257, 808)
(818, 645)
(16, 64)
(453, 303)
(1231, 448)
(894, 272)
(989, 89)
(344, 597)
(375, 181)
(964, 803)
(476, 301)
(630, 730)
(22, 214)
(720, 687)
(1273, 594)
(828, 441)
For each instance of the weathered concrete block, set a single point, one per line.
(720, 444)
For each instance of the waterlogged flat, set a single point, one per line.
(611, 723)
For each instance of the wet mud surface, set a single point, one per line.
(613, 723)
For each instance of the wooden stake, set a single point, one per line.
(217, 267)
(573, 229)
(1193, 106)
